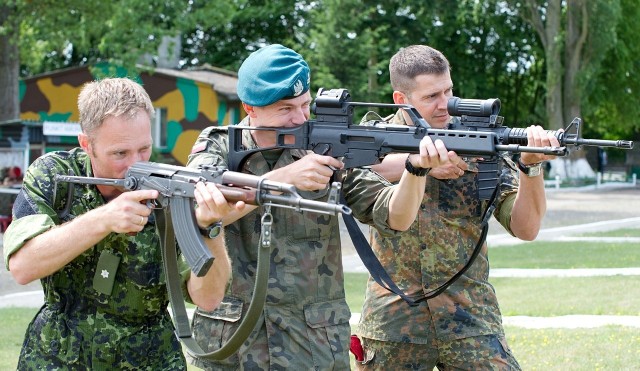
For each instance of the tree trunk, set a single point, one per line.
(9, 65)
(553, 55)
(575, 37)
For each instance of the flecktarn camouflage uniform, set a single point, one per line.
(305, 320)
(463, 324)
(81, 327)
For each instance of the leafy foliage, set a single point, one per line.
(251, 25)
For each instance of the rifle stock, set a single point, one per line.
(176, 186)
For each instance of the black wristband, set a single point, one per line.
(417, 171)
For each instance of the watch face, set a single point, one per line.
(214, 230)
(535, 170)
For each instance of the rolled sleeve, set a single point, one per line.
(368, 195)
(22, 230)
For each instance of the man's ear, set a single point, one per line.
(399, 97)
(250, 110)
(83, 140)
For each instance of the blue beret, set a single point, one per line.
(270, 74)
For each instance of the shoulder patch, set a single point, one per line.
(199, 147)
(202, 143)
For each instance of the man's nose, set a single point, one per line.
(300, 115)
(443, 100)
(136, 158)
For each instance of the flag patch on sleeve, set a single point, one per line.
(198, 147)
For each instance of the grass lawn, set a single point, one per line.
(14, 323)
(555, 296)
(565, 255)
(600, 348)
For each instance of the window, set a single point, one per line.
(159, 129)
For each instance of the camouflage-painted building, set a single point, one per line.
(186, 102)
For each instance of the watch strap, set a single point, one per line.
(530, 170)
(212, 231)
(413, 170)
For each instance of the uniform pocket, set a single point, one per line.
(212, 329)
(329, 333)
(308, 225)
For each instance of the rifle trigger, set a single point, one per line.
(152, 204)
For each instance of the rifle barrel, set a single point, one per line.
(519, 136)
(300, 203)
(625, 144)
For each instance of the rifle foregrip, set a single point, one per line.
(195, 251)
(235, 194)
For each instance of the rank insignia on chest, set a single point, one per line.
(105, 272)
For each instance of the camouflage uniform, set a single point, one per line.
(305, 320)
(79, 327)
(466, 316)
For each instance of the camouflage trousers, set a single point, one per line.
(487, 352)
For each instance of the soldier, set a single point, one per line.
(100, 264)
(305, 321)
(462, 327)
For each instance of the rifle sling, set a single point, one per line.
(180, 317)
(370, 260)
(380, 275)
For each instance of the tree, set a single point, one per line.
(253, 24)
(42, 34)
(493, 53)
(576, 35)
(9, 66)
(610, 98)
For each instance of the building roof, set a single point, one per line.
(223, 81)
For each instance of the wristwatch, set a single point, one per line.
(530, 170)
(417, 171)
(212, 231)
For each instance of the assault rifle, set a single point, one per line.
(480, 134)
(176, 186)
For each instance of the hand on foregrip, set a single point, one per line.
(538, 137)
(213, 206)
(435, 155)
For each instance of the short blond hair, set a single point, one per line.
(111, 97)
